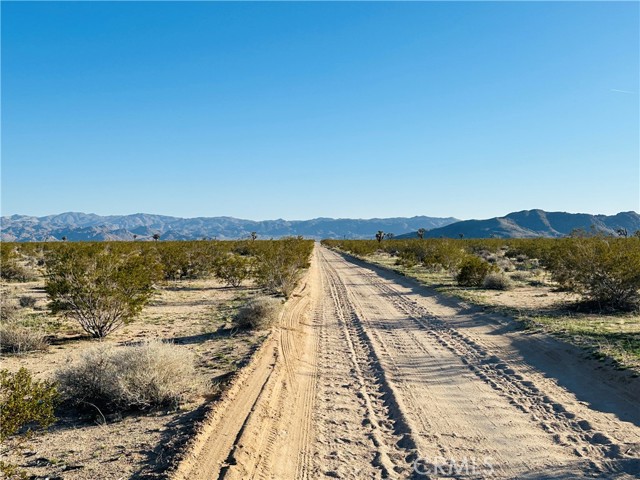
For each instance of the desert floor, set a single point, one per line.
(370, 375)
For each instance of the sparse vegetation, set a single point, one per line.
(587, 272)
(11, 269)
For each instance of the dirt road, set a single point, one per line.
(371, 376)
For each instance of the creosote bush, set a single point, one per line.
(99, 285)
(279, 262)
(232, 269)
(497, 281)
(258, 313)
(134, 377)
(604, 271)
(24, 402)
(473, 272)
(26, 405)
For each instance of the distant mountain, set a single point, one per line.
(83, 227)
(535, 223)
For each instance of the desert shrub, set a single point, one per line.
(258, 313)
(279, 262)
(18, 339)
(13, 271)
(97, 285)
(24, 402)
(8, 309)
(604, 271)
(505, 265)
(26, 405)
(444, 253)
(520, 276)
(27, 301)
(360, 248)
(232, 269)
(184, 260)
(473, 270)
(134, 377)
(488, 256)
(497, 281)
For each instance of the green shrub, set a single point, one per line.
(99, 286)
(258, 313)
(135, 377)
(232, 269)
(473, 271)
(279, 262)
(497, 281)
(605, 271)
(25, 404)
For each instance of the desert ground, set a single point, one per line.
(367, 374)
(90, 444)
(370, 375)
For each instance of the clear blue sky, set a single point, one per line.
(299, 110)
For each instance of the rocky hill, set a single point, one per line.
(81, 226)
(536, 223)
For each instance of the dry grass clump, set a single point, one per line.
(134, 377)
(8, 309)
(258, 313)
(18, 339)
(497, 281)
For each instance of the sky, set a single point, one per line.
(303, 110)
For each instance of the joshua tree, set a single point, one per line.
(379, 236)
(622, 232)
(421, 232)
(156, 236)
(254, 235)
(390, 235)
(64, 239)
(134, 237)
(461, 235)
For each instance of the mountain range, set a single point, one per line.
(86, 227)
(536, 223)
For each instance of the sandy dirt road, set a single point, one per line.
(370, 376)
